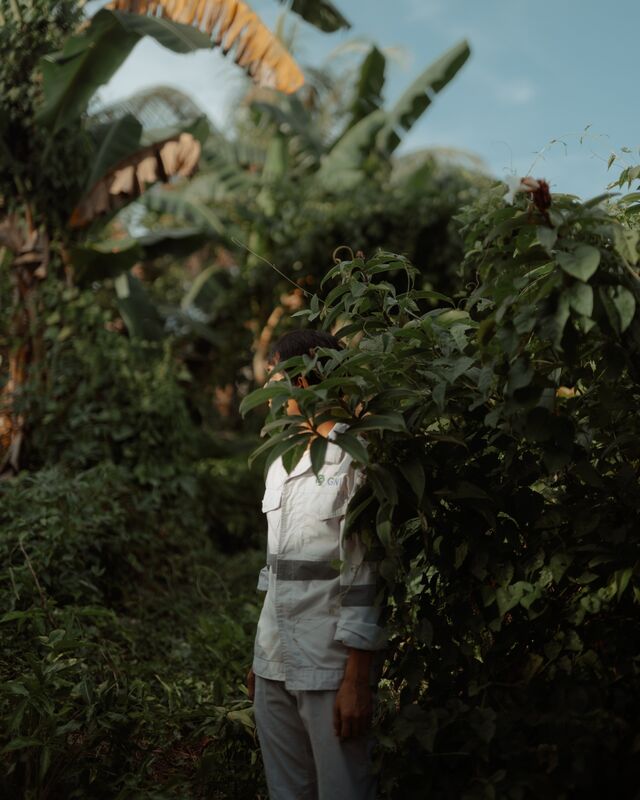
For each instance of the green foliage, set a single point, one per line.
(34, 162)
(321, 13)
(91, 57)
(99, 395)
(285, 191)
(368, 90)
(124, 643)
(502, 467)
(126, 634)
(419, 95)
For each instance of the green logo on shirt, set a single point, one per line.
(334, 481)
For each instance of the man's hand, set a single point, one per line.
(251, 683)
(352, 709)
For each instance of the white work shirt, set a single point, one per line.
(320, 589)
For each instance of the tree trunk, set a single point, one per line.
(28, 268)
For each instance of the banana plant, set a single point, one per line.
(119, 164)
(113, 163)
(291, 148)
(299, 159)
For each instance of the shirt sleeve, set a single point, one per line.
(263, 579)
(358, 622)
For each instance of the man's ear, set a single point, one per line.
(302, 382)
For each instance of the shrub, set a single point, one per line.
(124, 644)
(126, 635)
(502, 486)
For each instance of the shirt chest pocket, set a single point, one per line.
(320, 513)
(272, 499)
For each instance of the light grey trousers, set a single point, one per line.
(303, 758)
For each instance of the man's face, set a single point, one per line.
(292, 406)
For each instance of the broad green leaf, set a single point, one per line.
(430, 294)
(176, 242)
(547, 237)
(419, 96)
(259, 396)
(317, 453)
(451, 315)
(383, 524)
(168, 200)
(320, 13)
(439, 394)
(140, 315)
(89, 59)
(353, 446)
(620, 306)
(509, 597)
(368, 90)
(520, 375)
(413, 472)
(118, 140)
(383, 484)
(581, 262)
(21, 742)
(291, 455)
(580, 297)
(628, 199)
(357, 506)
(458, 368)
(381, 422)
(598, 199)
(335, 293)
(622, 578)
(341, 168)
(172, 35)
(626, 243)
(559, 564)
(279, 443)
(280, 450)
(465, 490)
(107, 259)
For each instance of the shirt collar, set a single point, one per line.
(334, 453)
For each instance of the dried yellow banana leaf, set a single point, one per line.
(160, 161)
(231, 24)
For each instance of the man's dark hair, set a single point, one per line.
(302, 343)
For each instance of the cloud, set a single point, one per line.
(516, 92)
(212, 81)
(424, 10)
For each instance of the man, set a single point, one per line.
(314, 659)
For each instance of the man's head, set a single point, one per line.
(301, 343)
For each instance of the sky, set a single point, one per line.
(550, 88)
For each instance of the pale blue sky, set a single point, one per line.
(539, 70)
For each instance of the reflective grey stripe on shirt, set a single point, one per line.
(362, 595)
(291, 570)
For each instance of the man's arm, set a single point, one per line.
(353, 705)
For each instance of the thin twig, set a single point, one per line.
(273, 266)
(43, 598)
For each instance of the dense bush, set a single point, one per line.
(124, 643)
(34, 162)
(502, 484)
(126, 634)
